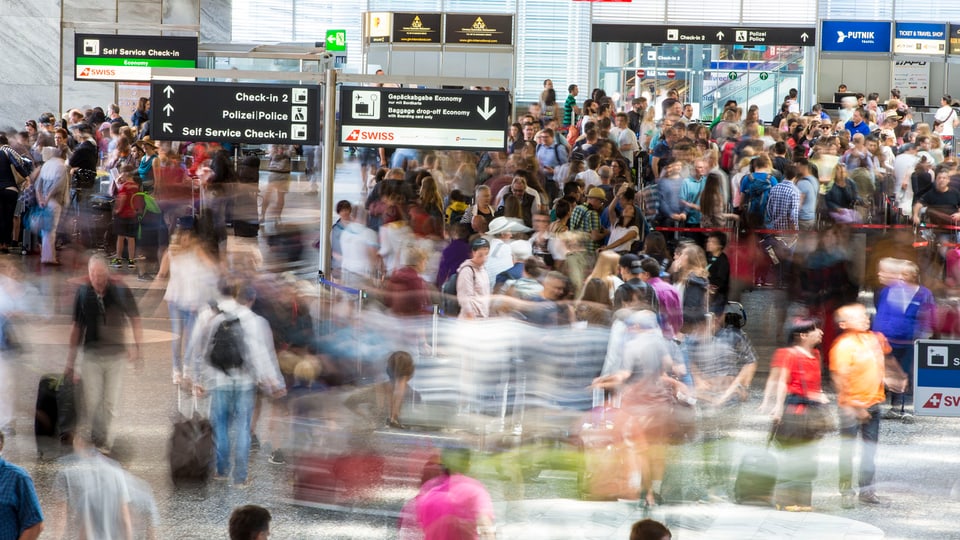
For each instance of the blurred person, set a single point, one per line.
(381, 403)
(518, 203)
(692, 280)
(527, 286)
(520, 251)
(655, 245)
(906, 311)
(102, 307)
(405, 292)
(794, 389)
(344, 212)
(426, 214)
(232, 388)
(941, 204)
(51, 187)
(648, 529)
(10, 161)
(542, 240)
(643, 378)
(718, 269)
(359, 255)
(722, 362)
(125, 222)
(500, 233)
(903, 167)
(547, 310)
(624, 230)
(473, 283)
(92, 495)
(395, 231)
(453, 255)
(21, 517)
(172, 186)
(193, 278)
(249, 522)
(841, 198)
(593, 305)
(634, 293)
(481, 209)
(857, 368)
(586, 218)
(945, 120)
(713, 204)
(454, 506)
(668, 299)
(607, 271)
(278, 179)
(783, 204)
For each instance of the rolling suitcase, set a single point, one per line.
(756, 478)
(55, 418)
(191, 447)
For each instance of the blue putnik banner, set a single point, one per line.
(855, 36)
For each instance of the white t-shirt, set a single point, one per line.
(355, 244)
(590, 178)
(617, 232)
(627, 137)
(946, 116)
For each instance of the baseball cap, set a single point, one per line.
(627, 260)
(479, 243)
(636, 267)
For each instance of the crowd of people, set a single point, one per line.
(645, 223)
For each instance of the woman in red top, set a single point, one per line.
(794, 382)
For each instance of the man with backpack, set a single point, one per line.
(231, 353)
(755, 192)
(550, 156)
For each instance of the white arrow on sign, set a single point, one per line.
(331, 39)
(804, 37)
(486, 112)
(168, 108)
(168, 90)
(719, 35)
(167, 127)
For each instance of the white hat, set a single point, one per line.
(500, 225)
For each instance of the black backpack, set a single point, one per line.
(449, 304)
(226, 350)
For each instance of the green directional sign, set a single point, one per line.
(764, 76)
(336, 40)
(732, 75)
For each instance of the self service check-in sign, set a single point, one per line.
(428, 119)
(248, 113)
(936, 381)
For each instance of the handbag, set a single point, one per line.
(803, 420)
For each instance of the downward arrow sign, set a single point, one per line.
(168, 90)
(167, 127)
(486, 112)
(168, 108)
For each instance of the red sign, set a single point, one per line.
(641, 73)
(671, 74)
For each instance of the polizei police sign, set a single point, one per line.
(429, 119)
(247, 113)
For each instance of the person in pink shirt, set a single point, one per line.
(453, 505)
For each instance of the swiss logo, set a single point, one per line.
(354, 136)
(85, 72)
(934, 401)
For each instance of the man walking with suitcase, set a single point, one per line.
(101, 310)
(231, 353)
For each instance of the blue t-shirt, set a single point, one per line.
(809, 191)
(19, 505)
(862, 128)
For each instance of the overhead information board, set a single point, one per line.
(109, 57)
(248, 113)
(464, 29)
(705, 35)
(936, 378)
(428, 119)
(855, 36)
(920, 38)
(953, 41)
(416, 28)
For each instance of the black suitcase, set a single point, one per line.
(756, 478)
(56, 414)
(191, 448)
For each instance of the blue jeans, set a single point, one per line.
(181, 324)
(869, 432)
(231, 407)
(904, 355)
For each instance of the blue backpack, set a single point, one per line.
(753, 202)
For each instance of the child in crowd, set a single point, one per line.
(125, 218)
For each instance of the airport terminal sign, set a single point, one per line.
(705, 35)
(936, 377)
(463, 29)
(855, 36)
(416, 28)
(247, 113)
(920, 38)
(108, 57)
(428, 119)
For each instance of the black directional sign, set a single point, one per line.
(429, 119)
(248, 113)
(705, 35)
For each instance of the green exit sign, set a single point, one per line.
(336, 40)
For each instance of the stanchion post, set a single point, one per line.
(329, 167)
